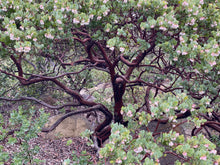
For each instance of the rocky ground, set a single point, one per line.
(54, 151)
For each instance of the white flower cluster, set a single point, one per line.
(86, 21)
(138, 150)
(106, 12)
(173, 25)
(83, 21)
(122, 49)
(111, 48)
(192, 22)
(163, 28)
(75, 21)
(23, 49)
(18, 18)
(105, 1)
(48, 35)
(119, 161)
(12, 37)
(185, 3)
(41, 7)
(59, 21)
(129, 113)
(41, 22)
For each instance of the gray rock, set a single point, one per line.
(70, 127)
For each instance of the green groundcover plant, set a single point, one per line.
(25, 126)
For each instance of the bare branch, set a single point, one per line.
(38, 101)
(99, 107)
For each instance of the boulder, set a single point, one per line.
(72, 126)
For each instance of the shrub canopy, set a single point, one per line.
(162, 56)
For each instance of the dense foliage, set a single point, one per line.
(161, 58)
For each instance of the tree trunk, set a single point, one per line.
(118, 89)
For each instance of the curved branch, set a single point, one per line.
(212, 124)
(180, 157)
(107, 121)
(138, 60)
(139, 81)
(12, 75)
(71, 92)
(59, 76)
(81, 33)
(30, 63)
(38, 101)
(104, 55)
(132, 64)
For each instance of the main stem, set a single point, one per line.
(118, 89)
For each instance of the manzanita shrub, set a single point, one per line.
(144, 148)
(161, 58)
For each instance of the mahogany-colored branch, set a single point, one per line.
(12, 75)
(71, 92)
(131, 64)
(82, 41)
(139, 81)
(103, 130)
(99, 107)
(22, 98)
(18, 65)
(62, 75)
(175, 154)
(107, 60)
(212, 124)
(77, 32)
(138, 60)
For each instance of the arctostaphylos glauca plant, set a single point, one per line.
(161, 58)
